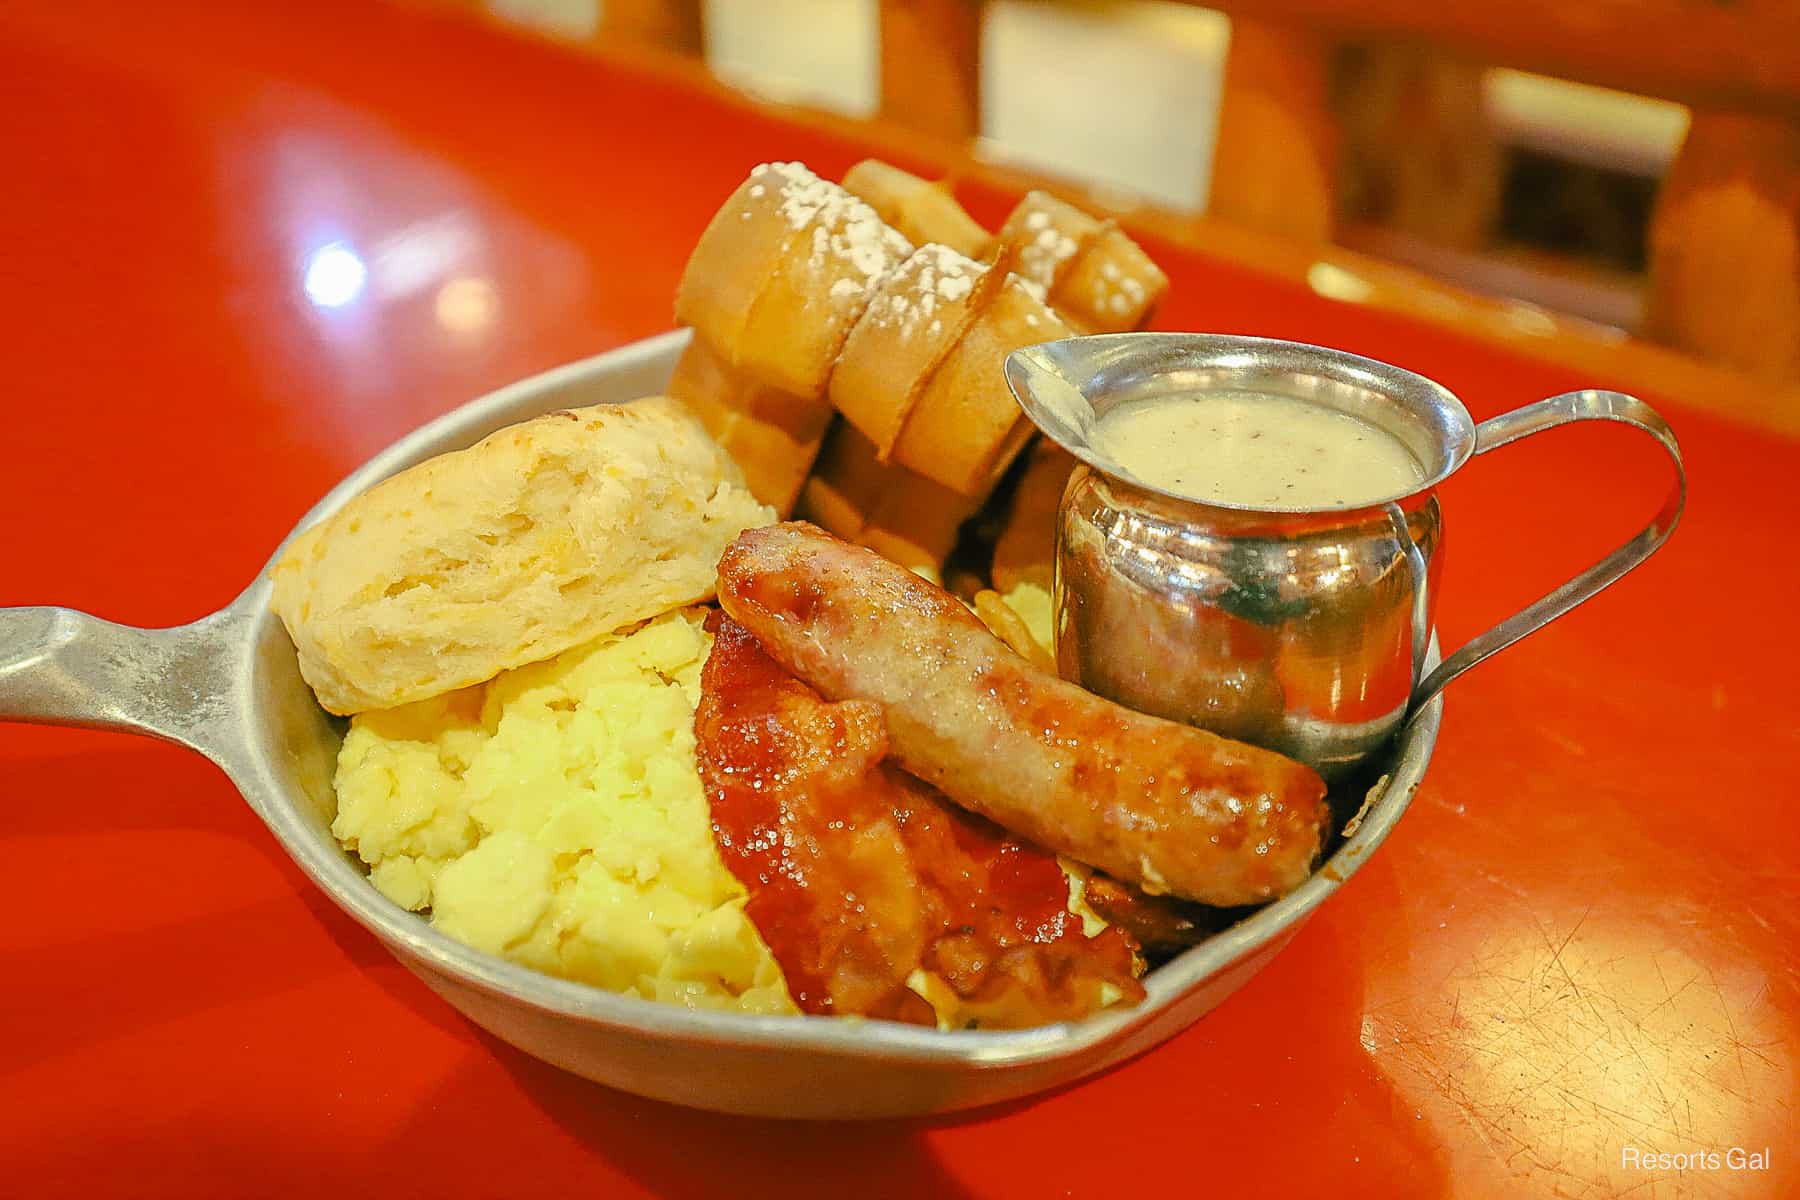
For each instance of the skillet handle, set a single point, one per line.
(63, 667)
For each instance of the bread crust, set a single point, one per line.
(782, 272)
(774, 436)
(1087, 269)
(922, 210)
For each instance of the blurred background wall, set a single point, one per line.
(1380, 125)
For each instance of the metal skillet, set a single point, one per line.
(229, 687)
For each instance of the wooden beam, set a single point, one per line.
(1275, 160)
(1709, 53)
(931, 65)
(677, 26)
(1725, 246)
(1419, 154)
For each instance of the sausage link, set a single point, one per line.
(1169, 807)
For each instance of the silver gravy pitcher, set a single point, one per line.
(1305, 630)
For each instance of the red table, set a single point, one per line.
(1581, 941)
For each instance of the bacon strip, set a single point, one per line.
(1163, 805)
(859, 874)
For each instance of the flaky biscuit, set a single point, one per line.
(540, 537)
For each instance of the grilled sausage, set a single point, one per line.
(1171, 808)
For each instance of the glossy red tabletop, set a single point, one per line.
(1582, 940)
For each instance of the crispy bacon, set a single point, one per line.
(860, 874)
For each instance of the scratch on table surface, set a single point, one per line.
(1564, 1041)
(1556, 956)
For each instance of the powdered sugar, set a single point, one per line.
(932, 279)
(842, 238)
(1117, 292)
(1057, 246)
(803, 195)
(1041, 256)
(845, 231)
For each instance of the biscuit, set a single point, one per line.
(541, 537)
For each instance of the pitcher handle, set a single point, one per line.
(1586, 405)
(59, 666)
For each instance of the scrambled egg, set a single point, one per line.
(554, 816)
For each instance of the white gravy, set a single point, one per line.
(1257, 450)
